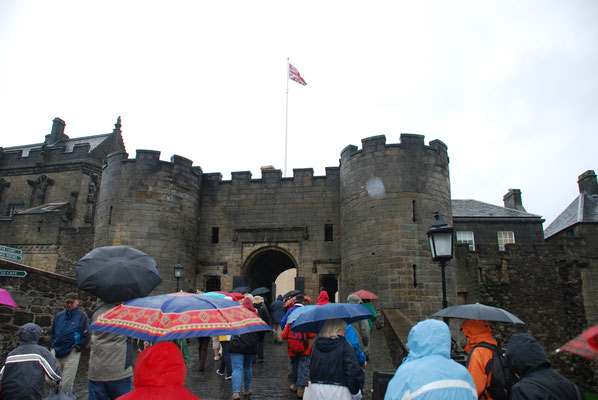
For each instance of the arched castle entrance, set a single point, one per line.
(263, 266)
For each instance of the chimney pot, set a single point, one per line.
(587, 182)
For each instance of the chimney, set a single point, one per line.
(513, 200)
(587, 182)
(57, 133)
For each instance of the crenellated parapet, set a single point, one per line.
(269, 177)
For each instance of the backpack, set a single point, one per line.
(502, 378)
(298, 342)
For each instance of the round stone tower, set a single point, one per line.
(152, 205)
(389, 194)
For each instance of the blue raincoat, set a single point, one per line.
(428, 373)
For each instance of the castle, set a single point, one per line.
(361, 226)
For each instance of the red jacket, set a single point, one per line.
(160, 374)
(322, 298)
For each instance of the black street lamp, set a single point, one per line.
(178, 273)
(440, 237)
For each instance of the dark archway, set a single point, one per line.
(263, 267)
(212, 283)
(329, 283)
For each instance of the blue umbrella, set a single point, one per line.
(214, 294)
(313, 319)
(297, 311)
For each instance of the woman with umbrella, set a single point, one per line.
(334, 372)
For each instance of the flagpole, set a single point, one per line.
(286, 126)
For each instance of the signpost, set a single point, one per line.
(10, 253)
(13, 273)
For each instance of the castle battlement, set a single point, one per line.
(274, 176)
(24, 157)
(376, 144)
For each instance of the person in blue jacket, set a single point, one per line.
(428, 373)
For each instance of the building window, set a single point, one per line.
(328, 232)
(467, 238)
(505, 237)
(14, 208)
(215, 233)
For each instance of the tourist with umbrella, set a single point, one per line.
(262, 311)
(361, 327)
(114, 274)
(334, 372)
(366, 298)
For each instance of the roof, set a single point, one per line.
(583, 209)
(93, 141)
(478, 209)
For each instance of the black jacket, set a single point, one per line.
(277, 310)
(262, 311)
(26, 367)
(243, 344)
(538, 381)
(333, 361)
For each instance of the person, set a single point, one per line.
(160, 373)
(298, 350)
(26, 367)
(478, 332)
(361, 327)
(242, 350)
(323, 298)
(428, 373)
(68, 336)
(110, 362)
(262, 311)
(277, 312)
(299, 301)
(537, 380)
(334, 372)
(368, 304)
(203, 344)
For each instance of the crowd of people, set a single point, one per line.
(328, 366)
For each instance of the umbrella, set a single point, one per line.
(6, 299)
(293, 300)
(215, 294)
(365, 295)
(117, 273)
(234, 296)
(241, 289)
(177, 316)
(584, 344)
(478, 312)
(292, 293)
(313, 320)
(260, 290)
(297, 312)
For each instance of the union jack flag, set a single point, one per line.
(295, 76)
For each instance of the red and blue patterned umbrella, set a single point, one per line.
(177, 316)
(585, 344)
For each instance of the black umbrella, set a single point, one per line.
(478, 312)
(241, 289)
(292, 293)
(260, 290)
(117, 273)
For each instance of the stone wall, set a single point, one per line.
(151, 205)
(526, 231)
(540, 284)
(39, 296)
(284, 215)
(74, 244)
(389, 194)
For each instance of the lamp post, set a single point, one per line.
(440, 237)
(178, 273)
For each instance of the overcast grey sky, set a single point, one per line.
(510, 86)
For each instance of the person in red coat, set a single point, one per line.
(160, 374)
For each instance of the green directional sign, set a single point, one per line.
(10, 256)
(13, 273)
(4, 249)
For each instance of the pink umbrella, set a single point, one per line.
(5, 299)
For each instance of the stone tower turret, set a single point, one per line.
(389, 194)
(152, 205)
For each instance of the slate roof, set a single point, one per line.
(94, 141)
(583, 209)
(478, 209)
